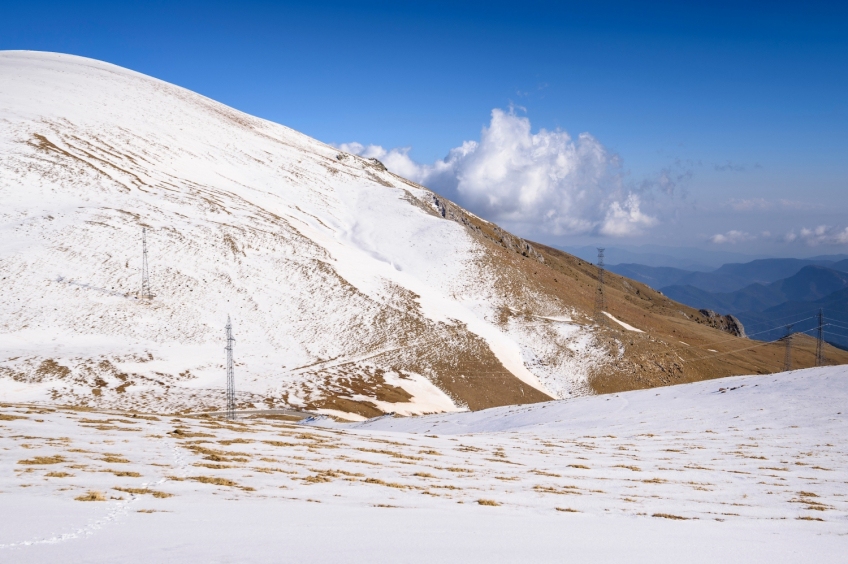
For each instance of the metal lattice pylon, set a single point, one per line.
(600, 298)
(146, 294)
(787, 355)
(231, 385)
(820, 340)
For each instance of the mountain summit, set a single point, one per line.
(352, 291)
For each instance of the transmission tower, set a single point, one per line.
(787, 355)
(819, 340)
(146, 294)
(231, 385)
(600, 301)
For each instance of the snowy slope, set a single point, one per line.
(349, 292)
(746, 469)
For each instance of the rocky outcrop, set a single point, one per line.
(727, 323)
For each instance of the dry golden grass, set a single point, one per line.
(5, 417)
(58, 475)
(423, 475)
(114, 459)
(214, 481)
(565, 490)
(808, 518)
(383, 483)
(633, 468)
(91, 495)
(123, 473)
(566, 509)
(489, 502)
(235, 441)
(579, 466)
(144, 491)
(670, 516)
(183, 434)
(390, 453)
(38, 460)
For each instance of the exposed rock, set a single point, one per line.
(727, 323)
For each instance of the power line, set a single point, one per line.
(787, 355)
(231, 387)
(600, 300)
(146, 294)
(713, 343)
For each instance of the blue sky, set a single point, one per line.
(728, 122)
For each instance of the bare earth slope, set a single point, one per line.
(352, 291)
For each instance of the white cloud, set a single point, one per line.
(821, 235)
(732, 237)
(537, 182)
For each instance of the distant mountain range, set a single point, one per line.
(764, 294)
(688, 258)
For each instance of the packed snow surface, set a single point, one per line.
(743, 469)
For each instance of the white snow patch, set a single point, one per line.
(623, 324)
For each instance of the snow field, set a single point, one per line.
(751, 466)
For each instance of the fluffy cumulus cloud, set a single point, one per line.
(821, 235)
(536, 182)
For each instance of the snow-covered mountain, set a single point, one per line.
(342, 279)
(351, 290)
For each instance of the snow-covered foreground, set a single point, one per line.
(739, 469)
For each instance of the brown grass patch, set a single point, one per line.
(57, 475)
(280, 444)
(808, 518)
(144, 491)
(38, 460)
(573, 490)
(183, 434)
(390, 453)
(580, 466)
(5, 417)
(566, 509)
(423, 475)
(235, 441)
(633, 468)
(489, 502)
(214, 481)
(114, 459)
(670, 516)
(91, 495)
(387, 484)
